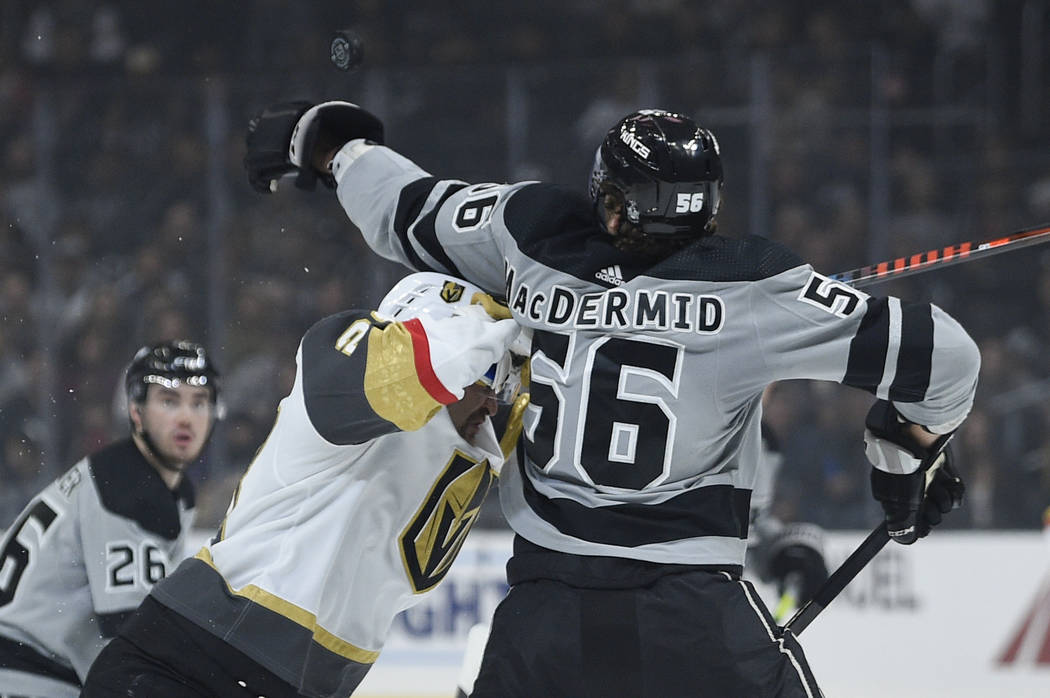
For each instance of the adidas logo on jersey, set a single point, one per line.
(611, 275)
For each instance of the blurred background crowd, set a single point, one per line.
(852, 132)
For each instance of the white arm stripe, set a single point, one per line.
(893, 347)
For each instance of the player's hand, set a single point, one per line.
(269, 136)
(901, 459)
(288, 137)
(944, 493)
(796, 562)
(322, 130)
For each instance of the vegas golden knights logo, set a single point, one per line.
(433, 538)
(451, 292)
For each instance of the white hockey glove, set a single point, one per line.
(899, 474)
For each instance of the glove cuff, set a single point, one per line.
(902, 492)
(798, 534)
(328, 125)
(890, 442)
(888, 456)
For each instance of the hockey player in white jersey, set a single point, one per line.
(86, 550)
(354, 507)
(653, 340)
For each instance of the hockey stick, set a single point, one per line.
(866, 276)
(942, 257)
(857, 560)
(838, 580)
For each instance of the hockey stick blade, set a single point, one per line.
(857, 560)
(942, 257)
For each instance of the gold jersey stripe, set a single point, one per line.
(494, 308)
(392, 385)
(297, 615)
(510, 436)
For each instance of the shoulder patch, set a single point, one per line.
(335, 354)
(68, 482)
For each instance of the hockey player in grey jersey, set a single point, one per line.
(353, 509)
(653, 339)
(86, 550)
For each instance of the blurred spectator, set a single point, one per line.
(22, 469)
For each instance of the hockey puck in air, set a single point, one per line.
(346, 50)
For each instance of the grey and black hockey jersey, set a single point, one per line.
(79, 558)
(357, 503)
(643, 436)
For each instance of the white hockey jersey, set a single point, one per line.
(343, 520)
(79, 558)
(642, 441)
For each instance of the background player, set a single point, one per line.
(790, 555)
(653, 341)
(85, 551)
(353, 508)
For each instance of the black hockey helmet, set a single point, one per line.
(666, 168)
(170, 364)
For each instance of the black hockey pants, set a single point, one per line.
(698, 634)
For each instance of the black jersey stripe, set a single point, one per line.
(530, 562)
(255, 623)
(129, 486)
(581, 249)
(333, 383)
(867, 351)
(409, 204)
(915, 361)
(716, 510)
(426, 234)
(17, 656)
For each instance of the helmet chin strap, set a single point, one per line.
(153, 453)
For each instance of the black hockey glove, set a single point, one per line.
(285, 137)
(912, 509)
(269, 135)
(796, 561)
